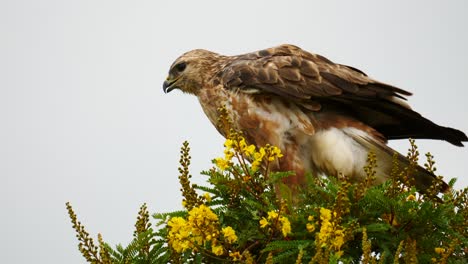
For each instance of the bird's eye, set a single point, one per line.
(180, 67)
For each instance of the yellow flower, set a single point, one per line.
(263, 222)
(235, 255)
(277, 152)
(274, 153)
(202, 215)
(324, 234)
(204, 223)
(331, 234)
(228, 143)
(178, 234)
(200, 227)
(281, 222)
(285, 226)
(176, 223)
(338, 240)
(222, 164)
(326, 228)
(229, 234)
(228, 154)
(325, 214)
(217, 250)
(258, 158)
(310, 226)
(260, 154)
(180, 245)
(439, 250)
(250, 150)
(207, 197)
(242, 144)
(256, 165)
(272, 215)
(237, 144)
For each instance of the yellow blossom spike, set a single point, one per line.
(325, 214)
(285, 226)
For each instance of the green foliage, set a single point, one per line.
(247, 215)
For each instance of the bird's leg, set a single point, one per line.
(290, 162)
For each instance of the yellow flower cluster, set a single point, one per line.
(268, 153)
(236, 256)
(197, 230)
(229, 234)
(310, 226)
(331, 234)
(237, 144)
(277, 221)
(440, 251)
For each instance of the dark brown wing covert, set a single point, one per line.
(317, 83)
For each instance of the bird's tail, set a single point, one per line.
(421, 178)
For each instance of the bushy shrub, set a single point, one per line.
(246, 215)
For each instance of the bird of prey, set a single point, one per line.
(325, 117)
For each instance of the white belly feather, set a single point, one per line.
(336, 152)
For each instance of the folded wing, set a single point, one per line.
(317, 84)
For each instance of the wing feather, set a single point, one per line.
(297, 74)
(316, 83)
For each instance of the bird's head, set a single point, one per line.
(191, 71)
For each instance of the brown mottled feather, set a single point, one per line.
(314, 82)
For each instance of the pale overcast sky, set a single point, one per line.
(83, 117)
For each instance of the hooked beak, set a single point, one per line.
(169, 85)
